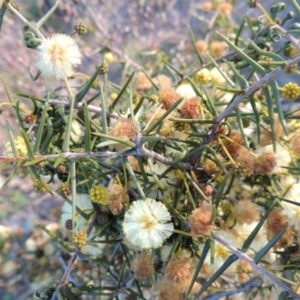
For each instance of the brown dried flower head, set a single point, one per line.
(276, 220)
(234, 143)
(179, 267)
(207, 6)
(245, 160)
(162, 80)
(168, 96)
(202, 46)
(166, 290)
(191, 109)
(143, 82)
(225, 8)
(265, 163)
(117, 195)
(123, 129)
(266, 134)
(217, 48)
(200, 221)
(143, 265)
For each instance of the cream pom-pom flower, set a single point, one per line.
(58, 55)
(145, 223)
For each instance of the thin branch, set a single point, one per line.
(23, 19)
(143, 151)
(259, 268)
(80, 106)
(66, 275)
(140, 150)
(248, 92)
(254, 282)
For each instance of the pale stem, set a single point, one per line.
(66, 144)
(67, 273)
(256, 266)
(23, 19)
(72, 167)
(16, 13)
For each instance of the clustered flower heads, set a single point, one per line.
(58, 55)
(147, 223)
(19, 145)
(290, 91)
(169, 173)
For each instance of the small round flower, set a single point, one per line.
(143, 82)
(207, 6)
(168, 96)
(234, 143)
(124, 129)
(217, 48)
(80, 238)
(186, 91)
(217, 77)
(103, 68)
(99, 194)
(203, 76)
(225, 8)
(117, 195)
(162, 80)
(145, 223)
(290, 50)
(202, 46)
(153, 98)
(69, 224)
(290, 91)
(109, 57)
(265, 163)
(200, 221)
(5, 233)
(58, 55)
(143, 265)
(190, 109)
(291, 69)
(80, 28)
(179, 267)
(39, 187)
(20, 146)
(65, 189)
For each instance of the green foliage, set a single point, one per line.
(211, 151)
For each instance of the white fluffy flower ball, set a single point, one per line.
(145, 223)
(58, 55)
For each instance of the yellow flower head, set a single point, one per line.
(203, 76)
(290, 91)
(99, 194)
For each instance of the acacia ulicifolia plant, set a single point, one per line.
(171, 183)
